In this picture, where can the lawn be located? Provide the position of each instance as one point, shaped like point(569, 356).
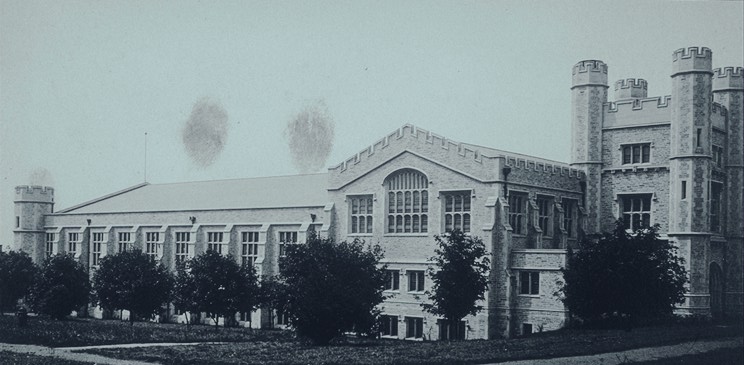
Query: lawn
point(715, 357)
point(84, 332)
point(546, 345)
point(14, 358)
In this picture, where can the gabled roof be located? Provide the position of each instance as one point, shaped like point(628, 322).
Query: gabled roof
point(264, 192)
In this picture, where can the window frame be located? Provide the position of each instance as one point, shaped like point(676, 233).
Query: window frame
point(631, 155)
point(216, 239)
point(716, 207)
point(50, 247)
point(72, 244)
point(283, 241)
point(96, 243)
point(152, 248)
point(623, 198)
point(417, 284)
point(249, 247)
point(545, 204)
point(518, 218)
point(532, 280)
point(181, 242)
point(356, 217)
point(407, 203)
point(415, 331)
point(120, 243)
point(392, 280)
point(452, 214)
point(392, 326)
point(570, 208)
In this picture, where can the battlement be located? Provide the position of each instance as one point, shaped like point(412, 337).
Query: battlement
point(631, 89)
point(728, 78)
point(692, 59)
point(455, 148)
point(639, 104)
point(590, 72)
point(34, 193)
point(543, 167)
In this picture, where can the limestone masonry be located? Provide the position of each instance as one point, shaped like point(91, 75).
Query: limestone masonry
point(675, 160)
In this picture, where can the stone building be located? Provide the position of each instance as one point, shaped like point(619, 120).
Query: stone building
point(673, 160)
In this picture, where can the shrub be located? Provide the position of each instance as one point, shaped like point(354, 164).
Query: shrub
point(17, 273)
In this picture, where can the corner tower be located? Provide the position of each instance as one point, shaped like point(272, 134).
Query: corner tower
point(690, 169)
point(32, 203)
point(728, 91)
point(588, 96)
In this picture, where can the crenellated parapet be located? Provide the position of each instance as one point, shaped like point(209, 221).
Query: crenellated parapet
point(543, 167)
point(590, 73)
point(631, 89)
point(692, 59)
point(639, 104)
point(453, 148)
point(728, 78)
point(34, 193)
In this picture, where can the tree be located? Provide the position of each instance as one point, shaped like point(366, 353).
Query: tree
point(460, 279)
point(61, 286)
point(17, 273)
point(216, 284)
point(273, 296)
point(132, 280)
point(331, 287)
point(624, 275)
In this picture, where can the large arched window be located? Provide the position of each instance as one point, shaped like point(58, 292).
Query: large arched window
point(408, 202)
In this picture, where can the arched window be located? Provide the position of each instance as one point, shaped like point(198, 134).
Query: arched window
point(408, 202)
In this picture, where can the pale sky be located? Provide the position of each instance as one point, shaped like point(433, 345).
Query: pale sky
point(82, 81)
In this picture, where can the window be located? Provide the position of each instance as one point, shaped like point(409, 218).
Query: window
point(517, 212)
point(281, 318)
point(408, 202)
point(361, 214)
point(245, 316)
point(18, 222)
point(457, 211)
point(72, 242)
point(95, 251)
point(636, 153)
point(569, 211)
point(526, 329)
point(718, 156)
point(214, 241)
point(416, 281)
point(529, 283)
point(389, 325)
point(182, 246)
point(49, 250)
point(715, 206)
point(637, 211)
point(392, 279)
point(286, 238)
point(151, 243)
point(446, 332)
point(545, 215)
point(414, 327)
point(249, 252)
point(683, 190)
point(123, 240)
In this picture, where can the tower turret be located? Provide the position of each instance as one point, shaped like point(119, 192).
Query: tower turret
point(631, 89)
point(690, 169)
point(588, 95)
point(32, 203)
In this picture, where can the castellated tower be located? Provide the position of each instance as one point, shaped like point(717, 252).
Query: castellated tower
point(32, 203)
point(588, 95)
point(690, 169)
point(728, 91)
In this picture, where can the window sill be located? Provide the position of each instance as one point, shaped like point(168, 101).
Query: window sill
point(529, 295)
point(416, 292)
point(393, 291)
point(389, 336)
point(360, 234)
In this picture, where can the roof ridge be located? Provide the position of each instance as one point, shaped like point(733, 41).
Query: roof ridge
point(239, 178)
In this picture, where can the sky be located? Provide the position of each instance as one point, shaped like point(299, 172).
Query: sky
point(81, 82)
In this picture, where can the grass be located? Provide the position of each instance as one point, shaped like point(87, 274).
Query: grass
point(86, 332)
point(7, 357)
point(715, 357)
point(569, 342)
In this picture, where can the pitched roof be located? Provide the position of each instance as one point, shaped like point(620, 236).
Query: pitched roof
point(264, 192)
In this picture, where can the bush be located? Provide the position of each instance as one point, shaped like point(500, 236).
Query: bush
point(331, 287)
point(623, 276)
point(17, 273)
point(132, 280)
point(61, 286)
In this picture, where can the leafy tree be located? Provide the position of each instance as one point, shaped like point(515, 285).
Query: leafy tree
point(621, 274)
point(217, 285)
point(17, 273)
point(132, 280)
point(273, 296)
point(332, 287)
point(460, 279)
point(61, 286)
point(183, 292)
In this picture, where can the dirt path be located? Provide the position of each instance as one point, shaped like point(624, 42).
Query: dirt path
point(68, 355)
point(637, 355)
